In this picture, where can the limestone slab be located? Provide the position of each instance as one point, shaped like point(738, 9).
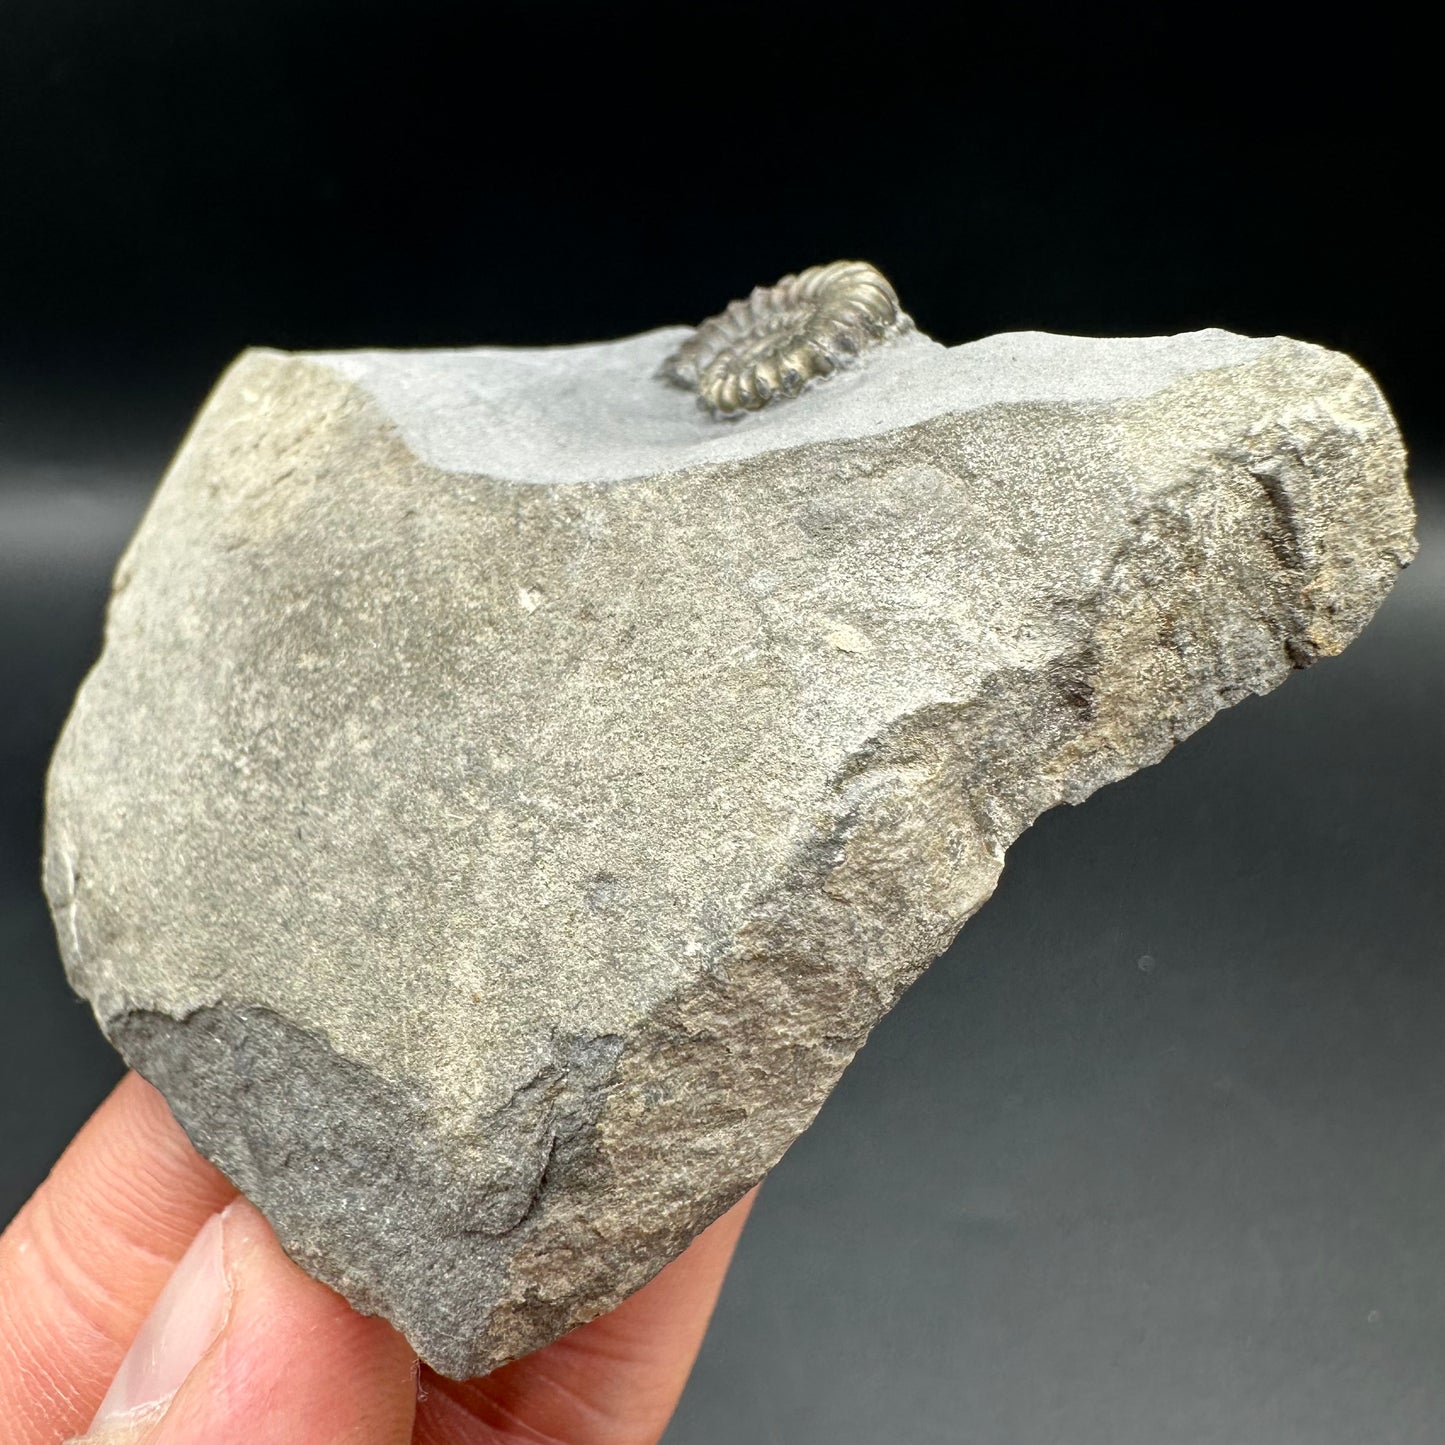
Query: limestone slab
point(508, 795)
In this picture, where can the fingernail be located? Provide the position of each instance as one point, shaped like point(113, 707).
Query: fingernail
point(181, 1327)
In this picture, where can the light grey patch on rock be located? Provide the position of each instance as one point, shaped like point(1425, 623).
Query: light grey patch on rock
point(593, 413)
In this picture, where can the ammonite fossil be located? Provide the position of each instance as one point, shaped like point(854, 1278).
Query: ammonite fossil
point(783, 337)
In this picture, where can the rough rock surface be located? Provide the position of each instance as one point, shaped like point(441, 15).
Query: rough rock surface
point(508, 797)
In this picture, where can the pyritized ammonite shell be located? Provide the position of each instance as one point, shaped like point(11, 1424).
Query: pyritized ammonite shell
point(785, 336)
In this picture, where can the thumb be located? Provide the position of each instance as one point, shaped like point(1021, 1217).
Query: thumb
point(243, 1348)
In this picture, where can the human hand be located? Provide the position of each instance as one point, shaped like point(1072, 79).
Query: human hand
point(142, 1299)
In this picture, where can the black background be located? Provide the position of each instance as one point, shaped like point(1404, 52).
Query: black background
point(182, 180)
point(1154, 1154)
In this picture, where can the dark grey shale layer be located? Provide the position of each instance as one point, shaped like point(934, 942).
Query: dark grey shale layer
point(508, 797)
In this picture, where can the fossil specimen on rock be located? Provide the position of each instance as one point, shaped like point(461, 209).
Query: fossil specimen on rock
point(783, 337)
point(508, 797)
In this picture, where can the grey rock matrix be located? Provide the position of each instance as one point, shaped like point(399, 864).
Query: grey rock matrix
point(509, 795)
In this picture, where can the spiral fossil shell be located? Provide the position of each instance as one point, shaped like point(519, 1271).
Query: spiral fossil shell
point(784, 337)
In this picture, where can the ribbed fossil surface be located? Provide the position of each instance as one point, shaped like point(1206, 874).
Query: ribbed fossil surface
point(784, 337)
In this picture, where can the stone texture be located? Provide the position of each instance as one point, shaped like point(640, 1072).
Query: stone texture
point(508, 796)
